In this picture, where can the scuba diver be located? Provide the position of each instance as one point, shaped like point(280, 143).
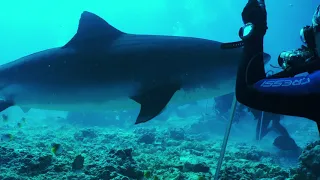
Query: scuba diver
point(223, 105)
point(283, 92)
point(264, 120)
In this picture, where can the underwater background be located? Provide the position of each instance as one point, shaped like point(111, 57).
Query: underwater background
point(183, 142)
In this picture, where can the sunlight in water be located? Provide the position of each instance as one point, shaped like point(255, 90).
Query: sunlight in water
point(184, 140)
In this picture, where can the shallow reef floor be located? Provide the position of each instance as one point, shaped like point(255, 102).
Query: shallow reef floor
point(141, 153)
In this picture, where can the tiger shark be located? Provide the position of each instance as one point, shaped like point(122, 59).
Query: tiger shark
point(102, 68)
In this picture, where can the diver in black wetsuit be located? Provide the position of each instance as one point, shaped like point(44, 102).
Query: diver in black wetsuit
point(223, 105)
point(281, 93)
point(264, 129)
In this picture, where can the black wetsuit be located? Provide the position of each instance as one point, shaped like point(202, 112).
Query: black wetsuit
point(294, 96)
point(263, 129)
point(223, 104)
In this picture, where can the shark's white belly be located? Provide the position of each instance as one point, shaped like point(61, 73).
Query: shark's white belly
point(116, 98)
point(75, 99)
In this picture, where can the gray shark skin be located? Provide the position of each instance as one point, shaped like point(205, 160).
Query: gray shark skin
point(102, 68)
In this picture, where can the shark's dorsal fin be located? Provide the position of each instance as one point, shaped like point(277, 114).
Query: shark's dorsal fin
point(93, 31)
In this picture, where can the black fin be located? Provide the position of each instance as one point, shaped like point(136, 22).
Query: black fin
point(285, 143)
point(266, 58)
point(154, 102)
point(93, 30)
point(25, 109)
point(5, 105)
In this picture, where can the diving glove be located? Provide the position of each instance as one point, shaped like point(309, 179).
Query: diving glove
point(255, 12)
point(316, 17)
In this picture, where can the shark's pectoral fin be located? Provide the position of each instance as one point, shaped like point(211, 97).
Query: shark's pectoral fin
point(25, 109)
point(93, 32)
point(154, 102)
point(5, 104)
point(266, 58)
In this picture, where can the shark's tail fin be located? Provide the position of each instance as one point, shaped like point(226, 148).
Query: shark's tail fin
point(25, 109)
point(4, 104)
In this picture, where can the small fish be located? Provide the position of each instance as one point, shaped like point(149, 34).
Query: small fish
point(19, 125)
point(23, 119)
point(285, 143)
point(56, 148)
point(5, 118)
point(7, 137)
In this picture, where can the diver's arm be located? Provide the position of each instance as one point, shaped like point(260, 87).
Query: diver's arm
point(316, 25)
point(296, 96)
point(280, 96)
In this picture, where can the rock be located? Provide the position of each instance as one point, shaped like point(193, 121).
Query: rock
point(122, 153)
point(36, 166)
point(78, 163)
point(177, 134)
point(310, 160)
point(85, 134)
point(147, 138)
point(199, 167)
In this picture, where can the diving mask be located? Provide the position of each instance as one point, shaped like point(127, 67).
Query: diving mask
point(246, 31)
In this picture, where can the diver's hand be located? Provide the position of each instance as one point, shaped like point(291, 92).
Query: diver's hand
point(255, 12)
point(316, 17)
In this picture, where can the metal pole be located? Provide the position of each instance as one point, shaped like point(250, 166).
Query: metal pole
point(261, 121)
point(226, 137)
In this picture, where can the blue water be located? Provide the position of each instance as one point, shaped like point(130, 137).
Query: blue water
point(30, 26)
